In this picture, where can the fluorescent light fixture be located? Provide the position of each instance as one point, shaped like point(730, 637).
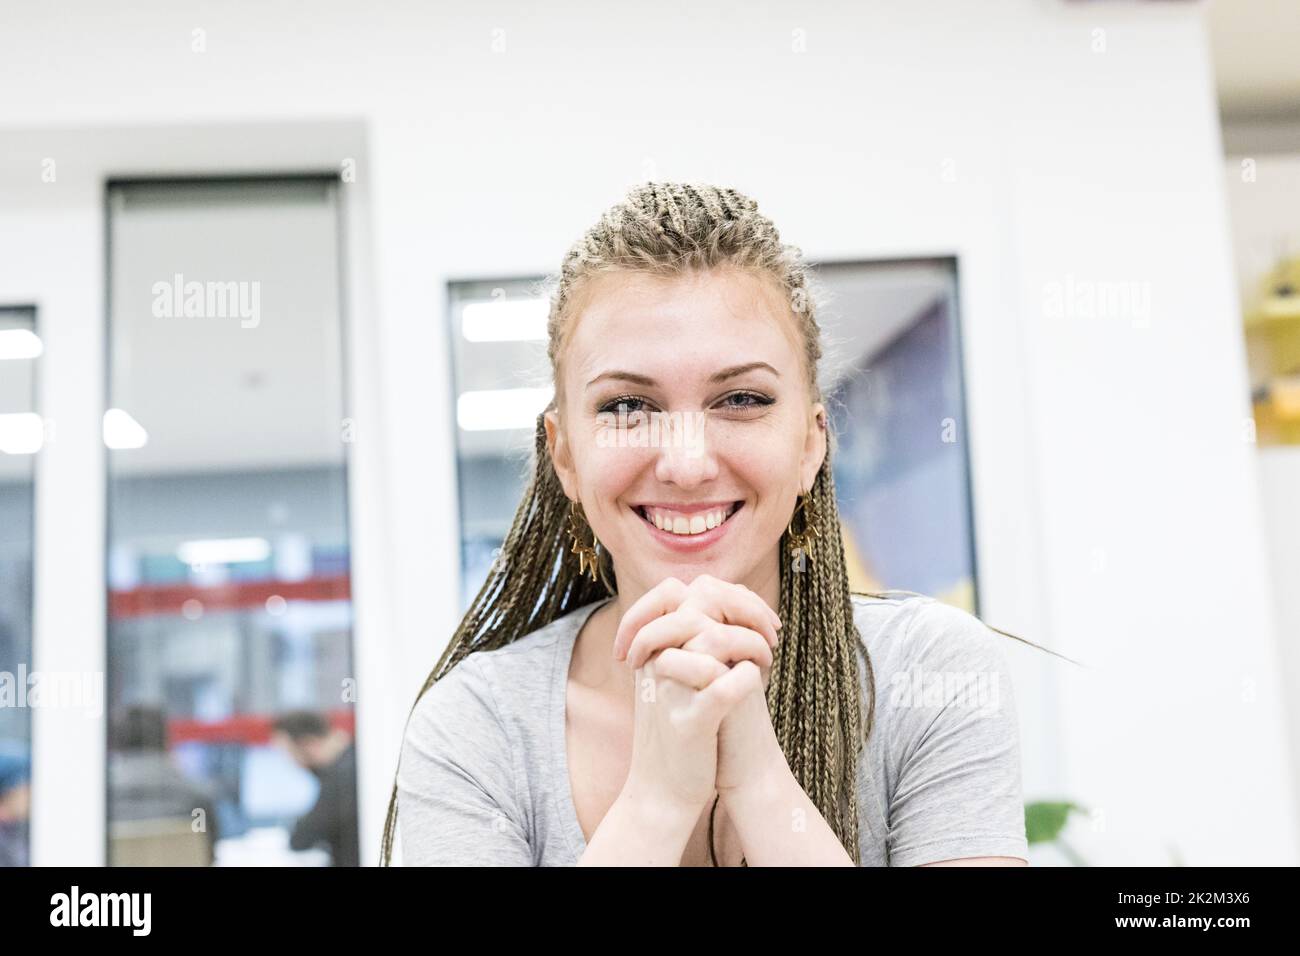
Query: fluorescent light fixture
point(505, 320)
point(494, 409)
point(123, 431)
point(21, 433)
point(224, 550)
point(19, 344)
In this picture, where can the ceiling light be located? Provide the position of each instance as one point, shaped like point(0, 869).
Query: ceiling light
point(224, 551)
point(21, 433)
point(505, 320)
point(493, 409)
point(123, 431)
point(19, 344)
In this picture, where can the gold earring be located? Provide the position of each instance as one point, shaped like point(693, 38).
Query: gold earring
point(802, 540)
point(586, 553)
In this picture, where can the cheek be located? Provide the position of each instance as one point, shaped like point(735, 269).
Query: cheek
point(764, 468)
point(611, 472)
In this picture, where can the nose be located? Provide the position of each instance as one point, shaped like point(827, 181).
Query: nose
point(686, 458)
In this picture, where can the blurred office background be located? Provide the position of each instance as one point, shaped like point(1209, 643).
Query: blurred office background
point(271, 348)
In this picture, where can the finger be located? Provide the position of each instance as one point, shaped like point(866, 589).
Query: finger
point(732, 604)
point(688, 668)
point(731, 643)
point(672, 630)
point(663, 598)
point(758, 602)
point(715, 701)
point(761, 655)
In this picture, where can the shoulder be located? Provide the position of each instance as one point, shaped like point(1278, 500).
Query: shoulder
point(947, 741)
point(449, 715)
point(910, 629)
point(933, 665)
point(492, 684)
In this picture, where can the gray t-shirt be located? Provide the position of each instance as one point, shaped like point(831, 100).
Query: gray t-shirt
point(483, 776)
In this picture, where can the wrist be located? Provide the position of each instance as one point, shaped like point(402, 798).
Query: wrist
point(639, 831)
point(761, 792)
point(657, 816)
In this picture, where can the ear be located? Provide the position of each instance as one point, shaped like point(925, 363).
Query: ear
point(561, 455)
point(814, 451)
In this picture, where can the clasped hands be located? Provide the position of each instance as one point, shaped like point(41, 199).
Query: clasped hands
point(707, 646)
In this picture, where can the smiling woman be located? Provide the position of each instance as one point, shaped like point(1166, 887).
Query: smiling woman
point(667, 665)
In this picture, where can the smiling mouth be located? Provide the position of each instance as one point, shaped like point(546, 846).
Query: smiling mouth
point(688, 527)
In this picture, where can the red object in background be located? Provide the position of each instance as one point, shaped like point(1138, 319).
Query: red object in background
point(243, 729)
point(251, 729)
point(167, 599)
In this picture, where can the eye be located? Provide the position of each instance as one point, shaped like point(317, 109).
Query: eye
point(628, 404)
point(754, 400)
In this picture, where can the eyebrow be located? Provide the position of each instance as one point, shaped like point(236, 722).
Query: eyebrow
point(648, 382)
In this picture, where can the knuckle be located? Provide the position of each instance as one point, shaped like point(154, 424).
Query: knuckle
point(703, 582)
point(753, 675)
point(706, 642)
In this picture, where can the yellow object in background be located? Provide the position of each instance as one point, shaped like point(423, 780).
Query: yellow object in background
point(1285, 393)
point(1272, 322)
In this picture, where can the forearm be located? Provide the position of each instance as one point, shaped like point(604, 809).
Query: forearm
point(639, 833)
point(778, 825)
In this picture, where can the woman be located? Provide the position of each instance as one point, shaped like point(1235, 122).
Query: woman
point(623, 689)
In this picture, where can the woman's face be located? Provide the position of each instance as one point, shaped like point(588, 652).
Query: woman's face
point(716, 416)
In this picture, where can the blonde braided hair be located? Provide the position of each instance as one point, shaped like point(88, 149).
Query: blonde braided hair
point(813, 692)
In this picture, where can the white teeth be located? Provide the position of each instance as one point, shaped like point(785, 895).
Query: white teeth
point(695, 524)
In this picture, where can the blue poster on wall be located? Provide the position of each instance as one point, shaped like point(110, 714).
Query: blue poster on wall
point(901, 465)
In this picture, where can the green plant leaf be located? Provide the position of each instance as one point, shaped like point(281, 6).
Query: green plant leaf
point(1045, 819)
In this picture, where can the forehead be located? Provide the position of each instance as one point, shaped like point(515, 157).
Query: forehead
point(700, 319)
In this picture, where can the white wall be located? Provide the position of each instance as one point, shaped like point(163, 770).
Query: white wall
point(1116, 505)
point(1280, 479)
point(1263, 187)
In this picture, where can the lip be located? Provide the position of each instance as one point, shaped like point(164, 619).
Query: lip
point(689, 543)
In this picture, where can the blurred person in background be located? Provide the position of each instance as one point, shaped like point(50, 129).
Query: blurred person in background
point(144, 783)
point(329, 754)
point(15, 808)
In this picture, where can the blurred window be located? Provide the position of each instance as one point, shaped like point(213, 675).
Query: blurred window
point(228, 554)
point(21, 436)
point(893, 377)
point(500, 383)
